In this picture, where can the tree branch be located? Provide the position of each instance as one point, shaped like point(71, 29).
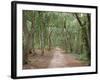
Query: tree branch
point(78, 19)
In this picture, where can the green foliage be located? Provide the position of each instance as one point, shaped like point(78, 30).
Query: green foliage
point(69, 31)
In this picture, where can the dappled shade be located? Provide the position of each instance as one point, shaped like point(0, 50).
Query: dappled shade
point(55, 39)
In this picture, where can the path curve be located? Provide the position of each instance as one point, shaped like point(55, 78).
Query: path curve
point(61, 59)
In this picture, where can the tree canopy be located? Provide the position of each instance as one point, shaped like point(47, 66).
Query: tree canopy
point(48, 29)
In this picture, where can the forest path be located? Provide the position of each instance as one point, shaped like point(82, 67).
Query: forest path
point(61, 59)
point(56, 58)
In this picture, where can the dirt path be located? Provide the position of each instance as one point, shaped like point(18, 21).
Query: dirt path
point(56, 58)
point(61, 59)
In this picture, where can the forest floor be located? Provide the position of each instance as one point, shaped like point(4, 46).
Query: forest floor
point(56, 58)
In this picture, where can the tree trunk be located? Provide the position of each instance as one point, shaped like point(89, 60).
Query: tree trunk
point(49, 39)
point(84, 34)
point(25, 36)
point(32, 35)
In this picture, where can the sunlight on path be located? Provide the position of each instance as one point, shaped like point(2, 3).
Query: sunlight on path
point(60, 59)
point(56, 59)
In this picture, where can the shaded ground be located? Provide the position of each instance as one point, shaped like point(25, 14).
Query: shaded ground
point(53, 59)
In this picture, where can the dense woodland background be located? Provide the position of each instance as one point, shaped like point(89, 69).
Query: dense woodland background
point(44, 30)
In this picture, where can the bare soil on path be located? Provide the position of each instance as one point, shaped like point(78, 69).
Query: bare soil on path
point(57, 58)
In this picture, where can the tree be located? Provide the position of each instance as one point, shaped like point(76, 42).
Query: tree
point(28, 35)
point(84, 32)
point(48, 29)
